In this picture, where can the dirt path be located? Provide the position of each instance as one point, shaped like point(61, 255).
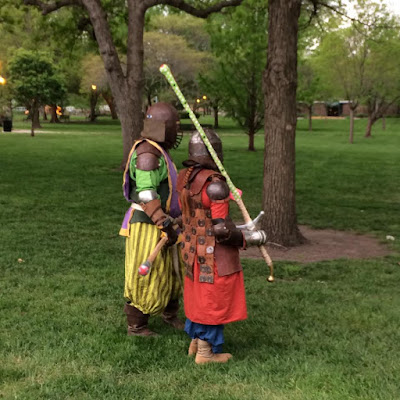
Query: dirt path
point(325, 244)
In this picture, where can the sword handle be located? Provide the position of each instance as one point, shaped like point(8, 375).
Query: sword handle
point(263, 249)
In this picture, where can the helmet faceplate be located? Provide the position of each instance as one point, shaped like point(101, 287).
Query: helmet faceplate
point(161, 124)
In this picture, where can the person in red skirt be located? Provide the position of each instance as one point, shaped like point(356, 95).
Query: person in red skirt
point(214, 292)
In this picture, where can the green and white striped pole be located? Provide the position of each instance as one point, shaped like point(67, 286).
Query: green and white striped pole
point(164, 69)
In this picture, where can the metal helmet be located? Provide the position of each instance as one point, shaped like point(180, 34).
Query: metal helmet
point(161, 124)
point(198, 153)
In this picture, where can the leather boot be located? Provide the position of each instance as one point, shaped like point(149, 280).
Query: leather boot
point(137, 322)
point(192, 347)
point(205, 355)
point(170, 315)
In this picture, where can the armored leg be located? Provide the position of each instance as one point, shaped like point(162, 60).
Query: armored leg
point(170, 315)
point(137, 322)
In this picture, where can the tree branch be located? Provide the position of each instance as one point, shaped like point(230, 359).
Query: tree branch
point(337, 11)
point(47, 8)
point(196, 12)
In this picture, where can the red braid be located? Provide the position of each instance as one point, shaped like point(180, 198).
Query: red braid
point(185, 193)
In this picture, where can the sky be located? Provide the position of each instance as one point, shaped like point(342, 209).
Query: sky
point(393, 5)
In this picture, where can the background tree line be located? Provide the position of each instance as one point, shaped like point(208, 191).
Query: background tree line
point(254, 59)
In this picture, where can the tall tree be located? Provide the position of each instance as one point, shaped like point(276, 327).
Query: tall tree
point(127, 88)
point(209, 82)
point(358, 63)
point(193, 30)
point(24, 27)
point(340, 60)
point(35, 82)
point(94, 83)
point(279, 82)
point(174, 50)
point(279, 86)
point(308, 89)
point(240, 58)
point(382, 77)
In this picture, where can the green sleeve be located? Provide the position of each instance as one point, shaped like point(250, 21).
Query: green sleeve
point(148, 180)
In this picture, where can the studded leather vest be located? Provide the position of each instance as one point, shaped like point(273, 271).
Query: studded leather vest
point(198, 235)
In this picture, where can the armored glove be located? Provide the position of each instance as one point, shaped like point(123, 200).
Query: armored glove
point(168, 228)
point(154, 210)
point(255, 238)
point(226, 233)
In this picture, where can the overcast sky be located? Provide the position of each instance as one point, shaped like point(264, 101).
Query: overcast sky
point(393, 5)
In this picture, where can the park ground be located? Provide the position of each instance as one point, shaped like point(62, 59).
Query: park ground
point(325, 329)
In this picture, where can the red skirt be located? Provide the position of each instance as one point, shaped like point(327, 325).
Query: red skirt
point(215, 303)
point(220, 302)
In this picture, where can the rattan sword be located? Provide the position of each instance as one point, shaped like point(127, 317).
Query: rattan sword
point(164, 69)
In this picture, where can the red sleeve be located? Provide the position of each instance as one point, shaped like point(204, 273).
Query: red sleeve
point(218, 210)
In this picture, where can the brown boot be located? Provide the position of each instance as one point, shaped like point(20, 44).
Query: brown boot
point(192, 347)
point(137, 322)
point(170, 315)
point(205, 355)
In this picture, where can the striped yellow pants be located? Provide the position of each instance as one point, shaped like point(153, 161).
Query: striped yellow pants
point(151, 293)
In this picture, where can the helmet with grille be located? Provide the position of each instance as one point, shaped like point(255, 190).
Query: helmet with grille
point(161, 124)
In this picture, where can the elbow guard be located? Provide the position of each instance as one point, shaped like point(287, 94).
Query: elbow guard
point(154, 210)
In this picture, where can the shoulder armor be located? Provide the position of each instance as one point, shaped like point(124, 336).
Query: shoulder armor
point(147, 157)
point(218, 189)
point(147, 162)
point(146, 147)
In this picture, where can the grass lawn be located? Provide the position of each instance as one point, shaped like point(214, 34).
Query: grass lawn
point(328, 330)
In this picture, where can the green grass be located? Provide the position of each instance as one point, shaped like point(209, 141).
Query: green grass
point(326, 330)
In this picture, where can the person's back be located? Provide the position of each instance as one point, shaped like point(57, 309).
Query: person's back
point(150, 185)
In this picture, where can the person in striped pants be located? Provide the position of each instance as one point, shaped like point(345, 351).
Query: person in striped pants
point(150, 185)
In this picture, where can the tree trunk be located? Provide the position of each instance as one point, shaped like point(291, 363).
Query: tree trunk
point(135, 76)
point(111, 103)
point(251, 141)
point(44, 114)
point(371, 120)
point(35, 116)
point(93, 102)
point(309, 107)
point(128, 114)
point(279, 86)
point(351, 137)
point(34, 111)
point(216, 122)
point(54, 117)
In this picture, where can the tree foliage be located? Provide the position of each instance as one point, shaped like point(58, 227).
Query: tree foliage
point(35, 81)
point(185, 61)
point(238, 42)
point(359, 63)
point(127, 85)
point(308, 86)
point(183, 25)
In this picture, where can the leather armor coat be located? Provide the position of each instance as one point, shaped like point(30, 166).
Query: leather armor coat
point(198, 234)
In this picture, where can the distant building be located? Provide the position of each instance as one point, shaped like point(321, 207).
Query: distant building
point(342, 109)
